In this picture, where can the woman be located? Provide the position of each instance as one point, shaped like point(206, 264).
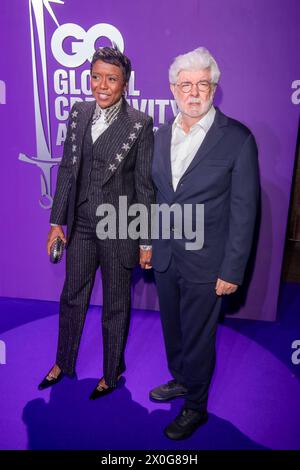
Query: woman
point(107, 154)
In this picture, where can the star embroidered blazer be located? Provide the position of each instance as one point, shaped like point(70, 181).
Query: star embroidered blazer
point(127, 171)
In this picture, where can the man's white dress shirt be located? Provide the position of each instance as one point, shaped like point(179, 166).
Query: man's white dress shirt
point(184, 146)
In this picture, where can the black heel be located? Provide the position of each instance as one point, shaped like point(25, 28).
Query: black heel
point(98, 393)
point(46, 383)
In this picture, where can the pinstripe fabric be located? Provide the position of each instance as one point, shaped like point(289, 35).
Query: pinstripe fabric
point(125, 149)
point(81, 267)
point(85, 254)
point(116, 280)
point(131, 176)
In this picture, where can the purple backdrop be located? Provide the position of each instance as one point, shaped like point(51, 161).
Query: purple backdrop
point(255, 44)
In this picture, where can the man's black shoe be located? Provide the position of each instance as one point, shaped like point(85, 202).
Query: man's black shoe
point(185, 424)
point(168, 391)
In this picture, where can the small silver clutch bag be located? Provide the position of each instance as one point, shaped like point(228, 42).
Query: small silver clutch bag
point(57, 250)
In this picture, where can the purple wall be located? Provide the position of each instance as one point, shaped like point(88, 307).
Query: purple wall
point(255, 44)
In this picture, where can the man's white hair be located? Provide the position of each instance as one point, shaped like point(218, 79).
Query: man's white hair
point(199, 59)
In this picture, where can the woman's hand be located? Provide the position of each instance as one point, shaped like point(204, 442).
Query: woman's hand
point(55, 232)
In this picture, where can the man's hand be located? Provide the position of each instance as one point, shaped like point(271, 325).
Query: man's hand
point(225, 288)
point(145, 259)
point(55, 232)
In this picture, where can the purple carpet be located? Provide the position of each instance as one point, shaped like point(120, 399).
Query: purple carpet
point(254, 400)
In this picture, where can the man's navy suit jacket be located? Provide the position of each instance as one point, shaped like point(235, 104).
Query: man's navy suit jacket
point(224, 177)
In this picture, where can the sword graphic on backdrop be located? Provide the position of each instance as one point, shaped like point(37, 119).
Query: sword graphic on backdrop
point(43, 159)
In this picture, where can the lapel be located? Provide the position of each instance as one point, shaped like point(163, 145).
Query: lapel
point(126, 131)
point(166, 152)
point(212, 138)
point(79, 123)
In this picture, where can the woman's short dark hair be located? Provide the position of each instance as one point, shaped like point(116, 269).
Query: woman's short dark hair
point(113, 55)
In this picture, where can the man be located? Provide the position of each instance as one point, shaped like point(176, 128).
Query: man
point(107, 154)
point(203, 157)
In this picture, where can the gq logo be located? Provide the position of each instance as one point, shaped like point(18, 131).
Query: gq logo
point(83, 43)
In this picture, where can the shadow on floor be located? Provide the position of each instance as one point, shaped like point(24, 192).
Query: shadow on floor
point(71, 421)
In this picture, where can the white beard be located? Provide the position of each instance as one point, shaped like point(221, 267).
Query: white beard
point(196, 111)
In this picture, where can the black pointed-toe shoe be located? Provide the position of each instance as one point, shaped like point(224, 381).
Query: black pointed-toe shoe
point(46, 383)
point(186, 423)
point(168, 391)
point(99, 392)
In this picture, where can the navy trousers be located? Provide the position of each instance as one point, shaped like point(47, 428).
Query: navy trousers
point(189, 314)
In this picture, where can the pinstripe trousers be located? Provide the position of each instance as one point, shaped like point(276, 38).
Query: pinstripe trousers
point(85, 254)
